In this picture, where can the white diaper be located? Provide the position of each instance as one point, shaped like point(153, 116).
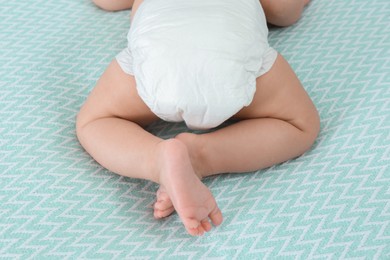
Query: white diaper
point(197, 60)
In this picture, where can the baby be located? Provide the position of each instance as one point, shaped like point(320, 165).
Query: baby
point(276, 119)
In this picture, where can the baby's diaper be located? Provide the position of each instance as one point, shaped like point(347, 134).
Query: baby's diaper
point(197, 60)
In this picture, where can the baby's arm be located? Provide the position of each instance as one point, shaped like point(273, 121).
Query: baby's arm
point(277, 12)
point(135, 7)
point(283, 12)
point(116, 5)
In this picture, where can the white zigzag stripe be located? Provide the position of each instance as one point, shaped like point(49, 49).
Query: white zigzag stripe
point(56, 202)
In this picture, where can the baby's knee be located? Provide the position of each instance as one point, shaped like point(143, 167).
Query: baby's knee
point(83, 119)
point(310, 128)
point(80, 127)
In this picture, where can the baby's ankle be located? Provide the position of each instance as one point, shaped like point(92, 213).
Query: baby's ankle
point(196, 151)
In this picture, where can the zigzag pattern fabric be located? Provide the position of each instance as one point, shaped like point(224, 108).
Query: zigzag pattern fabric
point(56, 202)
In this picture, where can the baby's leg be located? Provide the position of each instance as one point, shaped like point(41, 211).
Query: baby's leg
point(283, 12)
point(109, 126)
point(281, 123)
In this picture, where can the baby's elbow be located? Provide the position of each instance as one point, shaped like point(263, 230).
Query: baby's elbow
point(285, 13)
point(111, 6)
point(106, 5)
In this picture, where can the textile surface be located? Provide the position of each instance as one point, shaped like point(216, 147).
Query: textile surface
point(57, 202)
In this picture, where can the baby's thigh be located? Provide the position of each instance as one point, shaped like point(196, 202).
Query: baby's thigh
point(115, 95)
point(280, 94)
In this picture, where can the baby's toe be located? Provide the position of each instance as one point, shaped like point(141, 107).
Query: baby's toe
point(162, 213)
point(193, 227)
point(206, 225)
point(216, 216)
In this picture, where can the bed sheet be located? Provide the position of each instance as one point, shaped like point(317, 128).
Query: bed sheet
point(56, 202)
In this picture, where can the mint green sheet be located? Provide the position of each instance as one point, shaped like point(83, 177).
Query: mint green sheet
point(57, 203)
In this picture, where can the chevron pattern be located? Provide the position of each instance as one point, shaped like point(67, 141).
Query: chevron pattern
point(56, 202)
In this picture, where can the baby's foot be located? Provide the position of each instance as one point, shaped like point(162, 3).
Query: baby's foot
point(192, 200)
point(163, 206)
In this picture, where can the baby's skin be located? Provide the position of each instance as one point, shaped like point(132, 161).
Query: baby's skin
point(181, 189)
point(281, 123)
